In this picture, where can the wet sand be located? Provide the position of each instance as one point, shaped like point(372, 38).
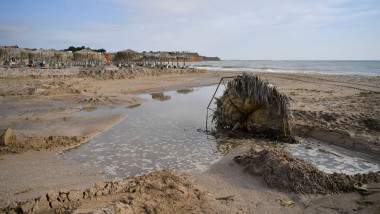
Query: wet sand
point(340, 110)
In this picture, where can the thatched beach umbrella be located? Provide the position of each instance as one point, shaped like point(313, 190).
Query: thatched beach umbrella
point(184, 57)
point(251, 104)
point(55, 55)
point(41, 54)
point(67, 55)
point(126, 55)
point(86, 55)
point(4, 53)
point(164, 57)
point(15, 53)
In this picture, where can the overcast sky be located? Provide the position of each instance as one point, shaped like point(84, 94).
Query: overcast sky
point(230, 29)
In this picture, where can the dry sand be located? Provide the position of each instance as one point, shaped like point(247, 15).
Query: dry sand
point(38, 106)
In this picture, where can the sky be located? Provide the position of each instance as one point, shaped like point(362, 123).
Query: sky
point(229, 29)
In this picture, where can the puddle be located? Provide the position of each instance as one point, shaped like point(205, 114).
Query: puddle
point(330, 160)
point(168, 132)
point(159, 134)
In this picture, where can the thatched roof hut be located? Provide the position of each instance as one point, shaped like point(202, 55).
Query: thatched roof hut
point(86, 55)
point(126, 55)
point(253, 105)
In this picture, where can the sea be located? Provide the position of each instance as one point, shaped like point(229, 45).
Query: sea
point(366, 68)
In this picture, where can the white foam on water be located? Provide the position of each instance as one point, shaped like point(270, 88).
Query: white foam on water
point(331, 161)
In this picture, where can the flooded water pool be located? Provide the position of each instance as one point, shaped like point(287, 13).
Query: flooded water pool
point(168, 132)
point(332, 160)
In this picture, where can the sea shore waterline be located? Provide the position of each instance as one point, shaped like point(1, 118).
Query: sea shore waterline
point(345, 67)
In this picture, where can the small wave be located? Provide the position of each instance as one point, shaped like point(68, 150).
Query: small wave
point(231, 66)
point(203, 66)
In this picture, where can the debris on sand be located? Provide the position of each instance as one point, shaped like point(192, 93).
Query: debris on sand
point(280, 169)
point(7, 137)
point(157, 192)
point(251, 104)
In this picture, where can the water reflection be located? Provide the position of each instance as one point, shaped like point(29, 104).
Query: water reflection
point(88, 109)
point(185, 91)
point(134, 106)
point(160, 96)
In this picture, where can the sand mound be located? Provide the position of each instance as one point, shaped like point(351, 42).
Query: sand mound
point(157, 192)
point(42, 143)
point(112, 74)
point(280, 169)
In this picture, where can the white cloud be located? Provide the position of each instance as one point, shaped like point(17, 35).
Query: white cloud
point(232, 29)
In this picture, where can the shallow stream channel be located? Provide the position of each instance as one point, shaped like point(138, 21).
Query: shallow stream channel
point(168, 132)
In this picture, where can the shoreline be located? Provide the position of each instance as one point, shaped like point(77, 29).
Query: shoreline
point(342, 92)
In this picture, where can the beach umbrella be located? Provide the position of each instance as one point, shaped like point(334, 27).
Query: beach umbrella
point(184, 57)
point(86, 55)
point(24, 53)
point(126, 55)
point(15, 53)
point(67, 55)
point(164, 56)
point(253, 105)
point(40, 54)
point(4, 53)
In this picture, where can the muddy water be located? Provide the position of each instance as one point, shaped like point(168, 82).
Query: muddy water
point(167, 132)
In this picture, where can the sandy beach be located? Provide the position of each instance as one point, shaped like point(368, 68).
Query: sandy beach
point(38, 105)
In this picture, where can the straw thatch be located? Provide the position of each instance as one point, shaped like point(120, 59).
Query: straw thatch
point(251, 104)
point(164, 56)
point(67, 55)
point(4, 52)
point(126, 55)
point(86, 55)
point(41, 54)
point(15, 53)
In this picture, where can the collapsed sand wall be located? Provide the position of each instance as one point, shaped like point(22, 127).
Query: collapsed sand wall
point(280, 169)
point(111, 74)
point(157, 192)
